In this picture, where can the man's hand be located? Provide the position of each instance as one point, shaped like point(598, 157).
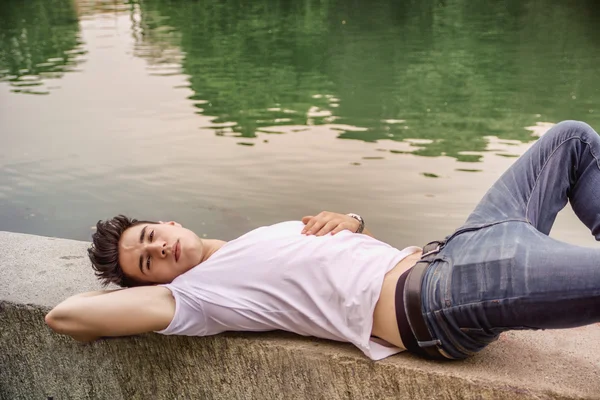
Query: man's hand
point(328, 222)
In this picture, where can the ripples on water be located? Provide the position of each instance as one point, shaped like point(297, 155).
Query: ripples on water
point(226, 116)
point(38, 45)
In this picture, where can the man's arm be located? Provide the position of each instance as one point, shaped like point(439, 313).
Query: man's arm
point(123, 312)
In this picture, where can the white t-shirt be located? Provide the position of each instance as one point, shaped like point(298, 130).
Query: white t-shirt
point(276, 278)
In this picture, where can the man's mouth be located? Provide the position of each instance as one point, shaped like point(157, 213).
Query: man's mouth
point(177, 250)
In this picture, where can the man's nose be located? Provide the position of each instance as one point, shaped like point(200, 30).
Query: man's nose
point(158, 249)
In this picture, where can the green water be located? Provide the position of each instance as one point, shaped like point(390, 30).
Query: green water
point(246, 113)
point(452, 73)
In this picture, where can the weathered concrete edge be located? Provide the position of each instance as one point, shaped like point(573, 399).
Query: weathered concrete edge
point(274, 365)
point(38, 272)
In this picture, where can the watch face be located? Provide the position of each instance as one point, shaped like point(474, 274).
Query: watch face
point(360, 220)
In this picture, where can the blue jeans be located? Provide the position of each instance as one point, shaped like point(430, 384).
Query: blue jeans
point(500, 271)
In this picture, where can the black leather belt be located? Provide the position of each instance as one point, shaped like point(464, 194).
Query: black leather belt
point(415, 334)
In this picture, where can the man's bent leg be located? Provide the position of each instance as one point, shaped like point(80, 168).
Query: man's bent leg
point(504, 277)
point(562, 165)
point(501, 271)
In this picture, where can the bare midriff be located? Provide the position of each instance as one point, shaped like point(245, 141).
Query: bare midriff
point(385, 325)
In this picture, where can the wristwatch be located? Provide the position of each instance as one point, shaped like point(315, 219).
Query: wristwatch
point(360, 219)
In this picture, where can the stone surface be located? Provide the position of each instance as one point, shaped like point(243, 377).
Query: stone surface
point(35, 363)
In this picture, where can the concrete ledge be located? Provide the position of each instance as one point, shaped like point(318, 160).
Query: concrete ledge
point(35, 363)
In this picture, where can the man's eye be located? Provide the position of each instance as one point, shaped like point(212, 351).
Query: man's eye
point(151, 236)
point(148, 263)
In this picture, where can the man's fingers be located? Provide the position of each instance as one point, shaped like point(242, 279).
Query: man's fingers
point(327, 228)
point(310, 225)
point(338, 229)
point(309, 221)
point(306, 219)
point(315, 227)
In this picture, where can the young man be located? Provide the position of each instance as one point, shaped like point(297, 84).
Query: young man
point(499, 271)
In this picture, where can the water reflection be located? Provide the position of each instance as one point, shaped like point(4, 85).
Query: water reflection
point(39, 41)
point(226, 116)
point(449, 72)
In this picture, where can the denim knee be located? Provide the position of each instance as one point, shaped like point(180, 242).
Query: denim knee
point(569, 128)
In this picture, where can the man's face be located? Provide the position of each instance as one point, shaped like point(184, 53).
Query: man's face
point(158, 253)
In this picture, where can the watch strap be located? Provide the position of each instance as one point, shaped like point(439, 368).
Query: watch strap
point(360, 219)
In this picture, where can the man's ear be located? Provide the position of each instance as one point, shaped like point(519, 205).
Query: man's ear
point(173, 223)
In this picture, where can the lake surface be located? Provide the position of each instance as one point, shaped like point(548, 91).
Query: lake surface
point(228, 115)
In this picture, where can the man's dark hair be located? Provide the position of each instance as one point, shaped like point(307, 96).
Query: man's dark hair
point(104, 251)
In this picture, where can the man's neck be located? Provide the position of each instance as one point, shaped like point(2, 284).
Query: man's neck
point(210, 247)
